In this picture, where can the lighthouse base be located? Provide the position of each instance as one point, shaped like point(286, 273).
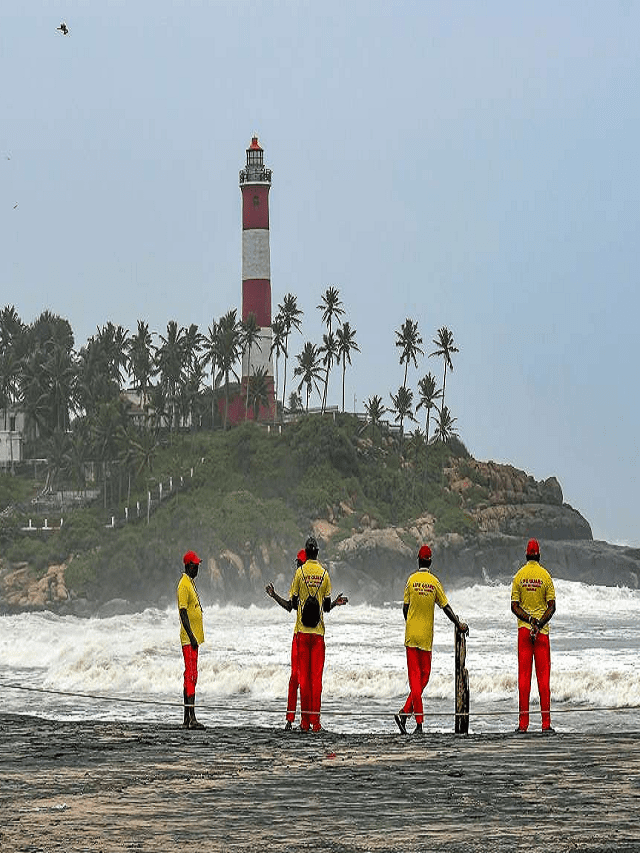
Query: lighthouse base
point(239, 411)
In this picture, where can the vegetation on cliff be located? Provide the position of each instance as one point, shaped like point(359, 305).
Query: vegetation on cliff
point(246, 491)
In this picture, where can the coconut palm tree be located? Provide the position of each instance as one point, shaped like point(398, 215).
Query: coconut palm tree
point(258, 388)
point(444, 347)
point(445, 430)
point(56, 449)
point(113, 342)
point(77, 454)
point(428, 394)
point(170, 361)
point(309, 369)
point(193, 342)
point(328, 352)
point(279, 346)
point(211, 346)
point(60, 377)
point(408, 340)
point(250, 338)
point(141, 364)
point(375, 409)
point(33, 395)
point(295, 402)
point(291, 317)
point(346, 338)
point(403, 407)
point(10, 368)
point(228, 349)
point(11, 327)
point(331, 306)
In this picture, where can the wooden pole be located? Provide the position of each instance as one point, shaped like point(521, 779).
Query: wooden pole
point(462, 685)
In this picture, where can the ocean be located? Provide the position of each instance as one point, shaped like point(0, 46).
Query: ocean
point(130, 667)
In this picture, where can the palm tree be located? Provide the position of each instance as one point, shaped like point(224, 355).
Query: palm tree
point(193, 342)
point(228, 348)
point(56, 448)
point(170, 361)
point(279, 346)
point(445, 430)
point(60, 375)
point(142, 448)
point(444, 348)
point(309, 369)
point(10, 368)
point(428, 395)
point(328, 351)
point(346, 337)
point(291, 317)
point(141, 360)
point(375, 409)
point(403, 407)
point(211, 347)
point(250, 337)
point(331, 306)
point(295, 402)
point(77, 454)
point(11, 327)
point(33, 393)
point(114, 343)
point(258, 389)
point(409, 340)
point(106, 426)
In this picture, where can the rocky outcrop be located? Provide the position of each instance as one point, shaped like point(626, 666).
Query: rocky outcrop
point(20, 590)
point(503, 499)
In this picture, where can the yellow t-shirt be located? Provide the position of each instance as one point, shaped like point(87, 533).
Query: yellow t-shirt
point(188, 598)
point(318, 585)
point(422, 592)
point(533, 589)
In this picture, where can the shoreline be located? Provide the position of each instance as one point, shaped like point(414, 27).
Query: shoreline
point(112, 786)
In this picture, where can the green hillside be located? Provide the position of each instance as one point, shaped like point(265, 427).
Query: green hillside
point(246, 491)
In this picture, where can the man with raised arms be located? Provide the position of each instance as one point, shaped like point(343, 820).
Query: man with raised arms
point(287, 604)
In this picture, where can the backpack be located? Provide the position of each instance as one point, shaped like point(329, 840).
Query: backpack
point(310, 615)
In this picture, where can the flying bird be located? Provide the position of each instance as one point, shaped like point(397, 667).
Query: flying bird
point(64, 29)
point(15, 205)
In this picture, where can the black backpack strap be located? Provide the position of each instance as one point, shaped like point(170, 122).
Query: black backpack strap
point(324, 571)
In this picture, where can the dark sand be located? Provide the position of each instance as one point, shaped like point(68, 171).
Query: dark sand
point(128, 786)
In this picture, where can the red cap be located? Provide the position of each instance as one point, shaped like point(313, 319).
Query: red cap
point(302, 556)
point(191, 557)
point(533, 549)
point(424, 553)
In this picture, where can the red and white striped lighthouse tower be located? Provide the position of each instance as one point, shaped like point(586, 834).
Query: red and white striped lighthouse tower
point(255, 183)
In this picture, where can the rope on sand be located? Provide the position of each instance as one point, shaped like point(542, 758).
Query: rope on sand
point(341, 713)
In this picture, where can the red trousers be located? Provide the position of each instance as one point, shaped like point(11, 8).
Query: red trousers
point(419, 669)
point(310, 669)
point(528, 652)
point(292, 696)
point(190, 669)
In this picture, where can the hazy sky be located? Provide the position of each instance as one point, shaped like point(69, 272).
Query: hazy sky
point(467, 164)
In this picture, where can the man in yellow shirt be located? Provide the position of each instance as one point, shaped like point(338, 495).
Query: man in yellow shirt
point(191, 635)
point(287, 604)
point(311, 580)
point(422, 592)
point(533, 601)
point(292, 694)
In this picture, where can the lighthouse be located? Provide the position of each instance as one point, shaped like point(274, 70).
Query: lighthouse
point(255, 183)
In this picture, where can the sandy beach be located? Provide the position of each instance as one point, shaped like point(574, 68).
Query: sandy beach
point(105, 786)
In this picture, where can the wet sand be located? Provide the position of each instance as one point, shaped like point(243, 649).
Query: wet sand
point(104, 786)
